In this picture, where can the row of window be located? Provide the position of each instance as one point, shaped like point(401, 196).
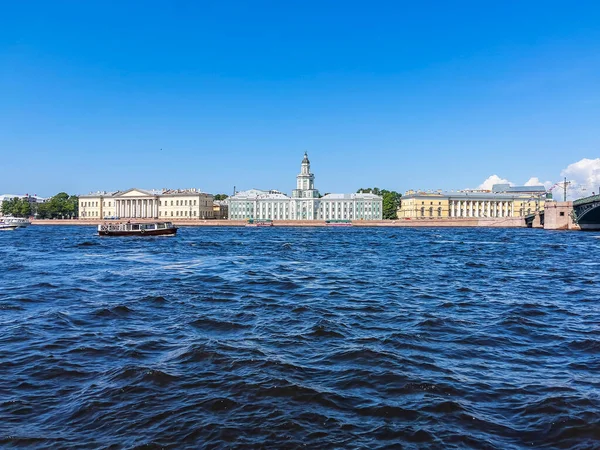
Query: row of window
point(160, 202)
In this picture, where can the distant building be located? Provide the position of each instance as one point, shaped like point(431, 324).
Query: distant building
point(166, 204)
point(31, 198)
point(305, 203)
point(501, 201)
point(220, 209)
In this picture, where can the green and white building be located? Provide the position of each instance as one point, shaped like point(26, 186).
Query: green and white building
point(304, 204)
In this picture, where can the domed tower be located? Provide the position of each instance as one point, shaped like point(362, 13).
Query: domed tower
point(305, 181)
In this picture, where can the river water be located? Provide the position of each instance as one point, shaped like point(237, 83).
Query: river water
point(300, 338)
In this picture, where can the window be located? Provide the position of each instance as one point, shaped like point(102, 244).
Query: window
point(171, 204)
point(422, 212)
point(562, 213)
point(176, 202)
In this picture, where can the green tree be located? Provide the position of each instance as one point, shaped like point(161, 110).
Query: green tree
point(18, 207)
point(61, 206)
point(221, 196)
point(391, 201)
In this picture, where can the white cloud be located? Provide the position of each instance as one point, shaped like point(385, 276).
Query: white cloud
point(584, 176)
point(491, 180)
point(535, 181)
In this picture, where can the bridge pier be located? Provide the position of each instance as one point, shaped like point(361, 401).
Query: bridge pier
point(558, 216)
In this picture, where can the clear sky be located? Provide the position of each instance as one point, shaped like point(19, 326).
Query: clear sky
point(107, 95)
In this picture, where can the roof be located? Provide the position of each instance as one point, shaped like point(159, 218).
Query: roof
point(254, 194)
point(148, 192)
point(354, 196)
point(500, 188)
point(470, 195)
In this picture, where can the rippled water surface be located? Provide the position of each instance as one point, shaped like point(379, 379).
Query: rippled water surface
point(285, 338)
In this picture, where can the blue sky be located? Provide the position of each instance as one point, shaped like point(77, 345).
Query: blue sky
point(211, 94)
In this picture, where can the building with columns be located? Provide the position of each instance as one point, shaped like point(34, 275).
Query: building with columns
point(166, 204)
point(305, 203)
point(501, 201)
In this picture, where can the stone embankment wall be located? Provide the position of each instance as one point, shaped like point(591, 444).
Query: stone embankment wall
point(503, 222)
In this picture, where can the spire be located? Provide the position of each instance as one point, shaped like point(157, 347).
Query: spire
point(305, 160)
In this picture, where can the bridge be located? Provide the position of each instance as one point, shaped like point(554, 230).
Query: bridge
point(586, 212)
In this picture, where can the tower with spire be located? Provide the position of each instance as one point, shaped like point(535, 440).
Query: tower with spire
point(305, 181)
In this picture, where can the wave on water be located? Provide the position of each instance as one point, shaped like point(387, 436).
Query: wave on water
point(296, 338)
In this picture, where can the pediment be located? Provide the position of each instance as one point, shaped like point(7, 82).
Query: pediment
point(135, 193)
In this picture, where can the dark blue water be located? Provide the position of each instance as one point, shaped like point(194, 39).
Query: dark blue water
point(289, 338)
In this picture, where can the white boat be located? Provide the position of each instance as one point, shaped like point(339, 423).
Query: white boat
point(19, 222)
point(7, 226)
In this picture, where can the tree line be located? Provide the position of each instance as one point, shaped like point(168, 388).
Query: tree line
point(391, 201)
point(61, 206)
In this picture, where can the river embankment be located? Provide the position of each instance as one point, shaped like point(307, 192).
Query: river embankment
point(500, 222)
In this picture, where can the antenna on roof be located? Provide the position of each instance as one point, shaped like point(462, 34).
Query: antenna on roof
point(234, 190)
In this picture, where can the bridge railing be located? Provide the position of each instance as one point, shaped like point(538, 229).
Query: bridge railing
point(584, 200)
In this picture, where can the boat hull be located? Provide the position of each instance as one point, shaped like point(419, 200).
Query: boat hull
point(160, 232)
point(8, 227)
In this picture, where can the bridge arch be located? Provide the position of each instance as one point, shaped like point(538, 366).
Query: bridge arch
point(586, 212)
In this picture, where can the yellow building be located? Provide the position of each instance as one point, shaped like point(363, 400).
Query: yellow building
point(167, 204)
point(221, 209)
point(501, 201)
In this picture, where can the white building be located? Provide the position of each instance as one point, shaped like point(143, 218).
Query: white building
point(29, 198)
point(167, 204)
point(304, 204)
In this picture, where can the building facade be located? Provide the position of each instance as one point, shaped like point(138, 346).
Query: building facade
point(501, 201)
point(167, 204)
point(220, 208)
point(305, 203)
